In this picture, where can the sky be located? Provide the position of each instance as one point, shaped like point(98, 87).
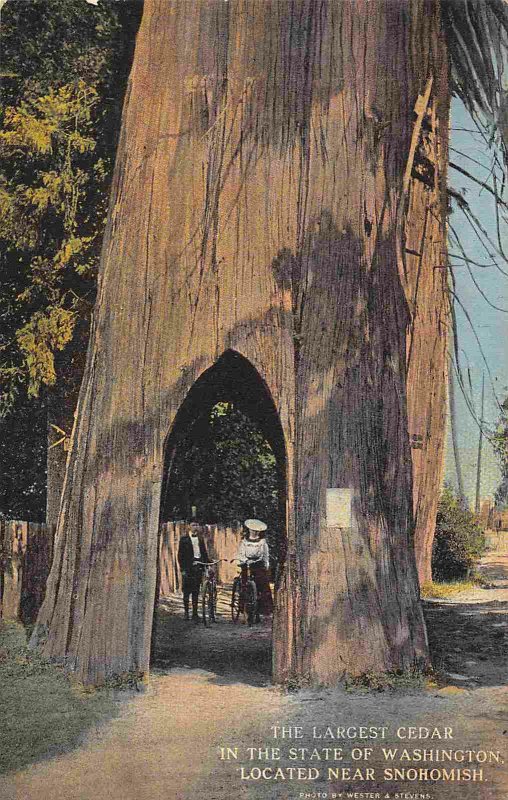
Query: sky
point(491, 325)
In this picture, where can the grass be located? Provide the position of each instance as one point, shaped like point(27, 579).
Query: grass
point(43, 713)
point(402, 680)
point(293, 685)
point(445, 589)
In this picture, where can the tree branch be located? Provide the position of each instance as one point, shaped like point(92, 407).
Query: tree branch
point(479, 182)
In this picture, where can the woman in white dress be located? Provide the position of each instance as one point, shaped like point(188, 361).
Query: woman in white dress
point(253, 551)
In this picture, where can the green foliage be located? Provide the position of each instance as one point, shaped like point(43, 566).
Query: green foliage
point(447, 589)
point(226, 468)
point(459, 542)
point(65, 65)
point(501, 495)
point(39, 338)
point(409, 680)
point(500, 441)
point(49, 158)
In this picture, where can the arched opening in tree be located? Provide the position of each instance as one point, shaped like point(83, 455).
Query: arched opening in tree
point(225, 461)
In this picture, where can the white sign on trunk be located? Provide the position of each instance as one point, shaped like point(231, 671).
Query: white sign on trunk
point(338, 508)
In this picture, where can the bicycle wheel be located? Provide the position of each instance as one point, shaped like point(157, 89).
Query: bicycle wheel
point(207, 604)
point(212, 605)
point(235, 600)
point(251, 602)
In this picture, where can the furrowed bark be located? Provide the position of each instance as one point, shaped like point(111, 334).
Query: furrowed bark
point(254, 214)
point(61, 401)
point(427, 296)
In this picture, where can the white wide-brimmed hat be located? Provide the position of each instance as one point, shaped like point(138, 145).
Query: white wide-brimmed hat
point(255, 525)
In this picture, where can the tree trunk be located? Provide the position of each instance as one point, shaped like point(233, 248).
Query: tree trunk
point(477, 502)
point(60, 409)
point(452, 410)
point(426, 292)
point(61, 405)
point(255, 209)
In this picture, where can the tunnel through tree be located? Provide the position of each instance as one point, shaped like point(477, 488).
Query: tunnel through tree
point(225, 457)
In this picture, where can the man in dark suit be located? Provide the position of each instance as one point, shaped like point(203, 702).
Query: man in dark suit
point(192, 548)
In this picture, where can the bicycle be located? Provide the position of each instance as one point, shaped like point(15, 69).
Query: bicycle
point(209, 591)
point(244, 595)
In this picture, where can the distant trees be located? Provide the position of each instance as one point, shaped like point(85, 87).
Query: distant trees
point(500, 441)
point(65, 66)
point(23, 452)
point(52, 203)
point(49, 155)
point(226, 469)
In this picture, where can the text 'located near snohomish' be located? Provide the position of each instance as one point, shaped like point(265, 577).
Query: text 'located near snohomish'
point(358, 755)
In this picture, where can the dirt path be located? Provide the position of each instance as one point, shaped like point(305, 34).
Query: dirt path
point(210, 689)
point(468, 634)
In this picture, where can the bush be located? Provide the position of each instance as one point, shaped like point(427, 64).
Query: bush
point(459, 542)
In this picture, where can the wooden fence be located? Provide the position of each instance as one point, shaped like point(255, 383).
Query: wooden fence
point(496, 539)
point(26, 551)
point(221, 542)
